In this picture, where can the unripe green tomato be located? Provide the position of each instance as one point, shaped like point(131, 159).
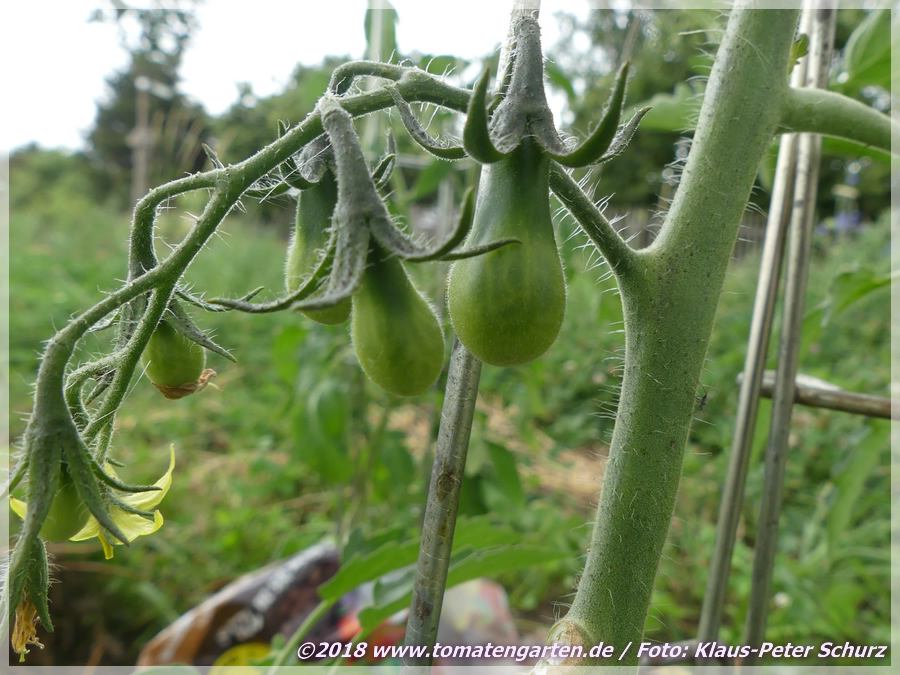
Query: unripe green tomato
point(396, 334)
point(314, 210)
point(507, 306)
point(175, 364)
point(68, 514)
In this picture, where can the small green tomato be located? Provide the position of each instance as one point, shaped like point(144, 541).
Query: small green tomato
point(175, 365)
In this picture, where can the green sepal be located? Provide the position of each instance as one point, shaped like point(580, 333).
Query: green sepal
point(438, 148)
point(381, 174)
point(597, 143)
point(197, 301)
point(183, 324)
point(114, 482)
point(83, 475)
point(15, 477)
point(623, 136)
point(304, 290)
point(396, 242)
point(38, 583)
point(212, 156)
point(351, 246)
point(107, 322)
point(263, 191)
point(125, 506)
point(476, 134)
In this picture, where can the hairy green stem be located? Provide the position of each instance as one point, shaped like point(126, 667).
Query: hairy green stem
point(669, 306)
point(826, 112)
point(443, 500)
point(621, 258)
point(229, 183)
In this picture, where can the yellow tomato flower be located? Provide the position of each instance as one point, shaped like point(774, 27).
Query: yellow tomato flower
point(131, 524)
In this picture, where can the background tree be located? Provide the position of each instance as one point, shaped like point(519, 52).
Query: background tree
point(146, 123)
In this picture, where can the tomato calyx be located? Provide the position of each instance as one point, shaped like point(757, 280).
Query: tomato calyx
point(523, 112)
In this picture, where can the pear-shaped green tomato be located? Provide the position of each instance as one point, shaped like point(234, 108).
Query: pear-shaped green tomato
point(175, 364)
point(507, 306)
point(314, 210)
point(396, 334)
point(68, 514)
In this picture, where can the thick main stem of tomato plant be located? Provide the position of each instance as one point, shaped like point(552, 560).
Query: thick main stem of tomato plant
point(670, 299)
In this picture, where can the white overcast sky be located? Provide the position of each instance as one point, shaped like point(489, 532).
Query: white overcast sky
point(56, 62)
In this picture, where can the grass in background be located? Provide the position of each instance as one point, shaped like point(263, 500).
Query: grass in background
point(291, 445)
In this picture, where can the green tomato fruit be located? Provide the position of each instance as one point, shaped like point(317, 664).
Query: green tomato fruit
point(507, 306)
point(175, 364)
point(396, 334)
point(314, 209)
point(68, 514)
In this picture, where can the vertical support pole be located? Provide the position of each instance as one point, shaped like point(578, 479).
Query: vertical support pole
point(754, 365)
point(809, 150)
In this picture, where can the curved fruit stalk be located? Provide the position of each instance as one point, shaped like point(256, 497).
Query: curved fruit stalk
point(311, 233)
point(396, 334)
point(507, 306)
point(175, 364)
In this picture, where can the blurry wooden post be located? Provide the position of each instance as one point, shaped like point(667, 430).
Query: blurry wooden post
point(797, 163)
point(797, 273)
point(754, 364)
point(140, 141)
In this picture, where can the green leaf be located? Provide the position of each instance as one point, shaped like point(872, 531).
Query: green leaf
point(849, 287)
point(846, 148)
point(867, 56)
point(381, 31)
point(485, 563)
point(851, 480)
point(387, 558)
point(767, 166)
point(506, 473)
point(558, 78)
point(438, 64)
point(675, 112)
point(285, 352)
point(328, 410)
point(430, 178)
point(394, 555)
point(358, 544)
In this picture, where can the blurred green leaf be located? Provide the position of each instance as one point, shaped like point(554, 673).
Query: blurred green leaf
point(850, 482)
point(430, 178)
point(841, 147)
point(439, 64)
point(285, 351)
point(506, 473)
point(852, 286)
point(484, 563)
point(558, 78)
point(867, 56)
point(674, 112)
point(381, 31)
point(395, 554)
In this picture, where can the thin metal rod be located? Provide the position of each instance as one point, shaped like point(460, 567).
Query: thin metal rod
point(443, 500)
point(833, 398)
point(754, 363)
point(797, 272)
